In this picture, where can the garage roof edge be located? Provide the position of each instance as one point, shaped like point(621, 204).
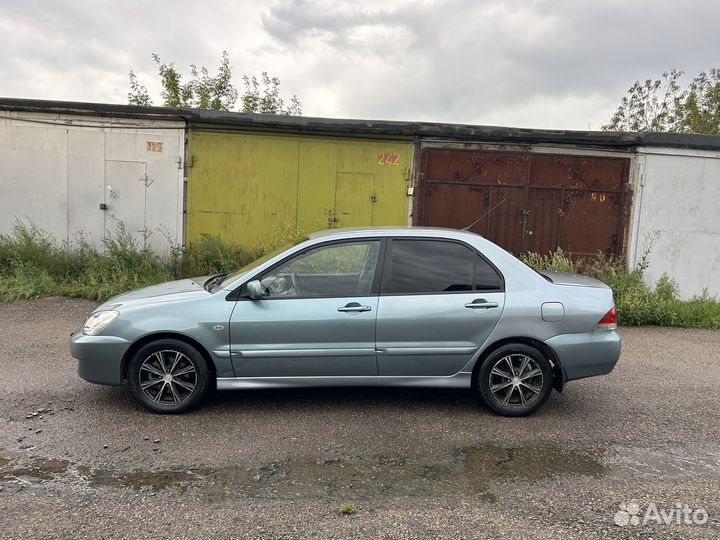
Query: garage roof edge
point(238, 121)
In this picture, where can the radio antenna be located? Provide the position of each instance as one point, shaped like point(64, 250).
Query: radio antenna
point(485, 214)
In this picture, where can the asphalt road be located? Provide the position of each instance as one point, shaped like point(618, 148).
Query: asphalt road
point(83, 461)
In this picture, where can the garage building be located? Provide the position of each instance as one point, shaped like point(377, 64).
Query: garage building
point(72, 167)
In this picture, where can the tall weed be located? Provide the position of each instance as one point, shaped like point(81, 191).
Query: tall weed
point(33, 264)
point(636, 301)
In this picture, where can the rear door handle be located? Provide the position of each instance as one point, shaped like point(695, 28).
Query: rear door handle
point(353, 307)
point(481, 303)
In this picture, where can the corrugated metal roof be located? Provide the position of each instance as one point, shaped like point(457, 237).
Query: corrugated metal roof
point(221, 120)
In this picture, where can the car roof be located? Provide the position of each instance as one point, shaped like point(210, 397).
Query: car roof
point(437, 232)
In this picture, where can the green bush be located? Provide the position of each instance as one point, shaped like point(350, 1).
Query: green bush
point(33, 264)
point(552, 262)
point(211, 255)
point(636, 301)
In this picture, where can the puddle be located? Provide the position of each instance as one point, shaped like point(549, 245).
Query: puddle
point(666, 463)
point(33, 473)
point(37, 470)
point(474, 470)
point(486, 464)
point(141, 480)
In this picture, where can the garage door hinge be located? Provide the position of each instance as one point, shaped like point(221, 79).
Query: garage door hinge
point(373, 198)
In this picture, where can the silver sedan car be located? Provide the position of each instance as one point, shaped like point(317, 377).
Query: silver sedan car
point(404, 307)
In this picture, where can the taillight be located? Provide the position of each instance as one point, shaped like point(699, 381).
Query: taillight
point(609, 321)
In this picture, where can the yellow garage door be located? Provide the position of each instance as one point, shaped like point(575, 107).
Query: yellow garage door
point(247, 188)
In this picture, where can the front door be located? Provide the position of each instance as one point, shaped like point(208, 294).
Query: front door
point(317, 317)
point(439, 302)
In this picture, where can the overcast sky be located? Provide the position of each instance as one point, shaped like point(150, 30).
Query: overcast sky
point(544, 63)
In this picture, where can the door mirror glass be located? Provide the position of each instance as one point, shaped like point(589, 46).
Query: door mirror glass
point(254, 289)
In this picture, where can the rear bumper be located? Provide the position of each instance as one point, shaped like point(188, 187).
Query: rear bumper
point(100, 357)
point(586, 355)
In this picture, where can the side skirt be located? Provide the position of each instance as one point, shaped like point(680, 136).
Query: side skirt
point(459, 380)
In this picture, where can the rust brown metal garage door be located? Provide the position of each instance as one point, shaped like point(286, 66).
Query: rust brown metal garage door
point(527, 201)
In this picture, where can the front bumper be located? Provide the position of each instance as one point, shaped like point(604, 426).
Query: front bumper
point(100, 357)
point(586, 355)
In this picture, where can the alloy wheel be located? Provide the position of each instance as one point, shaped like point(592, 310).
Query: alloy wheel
point(516, 380)
point(167, 377)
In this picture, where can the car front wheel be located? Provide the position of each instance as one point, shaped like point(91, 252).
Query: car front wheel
point(515, 380)
point(168, 376)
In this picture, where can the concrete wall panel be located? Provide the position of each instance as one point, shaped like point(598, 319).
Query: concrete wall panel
point(677, 203)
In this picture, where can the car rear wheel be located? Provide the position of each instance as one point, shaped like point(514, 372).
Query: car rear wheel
point(168, 376)
point(515, 380)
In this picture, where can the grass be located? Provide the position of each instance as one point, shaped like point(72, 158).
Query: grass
point(348, 508)
point(33, 264)
point(637, 302)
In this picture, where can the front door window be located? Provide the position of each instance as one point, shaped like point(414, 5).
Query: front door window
point(334, 270)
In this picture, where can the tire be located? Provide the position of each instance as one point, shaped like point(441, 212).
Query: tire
point(522, 393)
point(186, 386)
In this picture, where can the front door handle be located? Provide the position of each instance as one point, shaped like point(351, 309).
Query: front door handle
point(481, 303)
point(353, 307)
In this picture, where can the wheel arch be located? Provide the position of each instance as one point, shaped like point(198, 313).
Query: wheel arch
point(558, 372)
point(149, 338)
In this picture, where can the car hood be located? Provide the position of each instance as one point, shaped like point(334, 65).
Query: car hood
point(181, 289)
point(576, 280)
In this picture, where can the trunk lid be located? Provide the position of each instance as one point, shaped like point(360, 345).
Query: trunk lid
point(574, 280)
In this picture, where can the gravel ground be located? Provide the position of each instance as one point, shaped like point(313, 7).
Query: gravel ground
point(83, 461)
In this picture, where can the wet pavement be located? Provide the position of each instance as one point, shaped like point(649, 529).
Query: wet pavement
point(79, 460)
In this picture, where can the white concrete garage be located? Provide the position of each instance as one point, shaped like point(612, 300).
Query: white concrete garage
point(79, 174)
point(676, 215)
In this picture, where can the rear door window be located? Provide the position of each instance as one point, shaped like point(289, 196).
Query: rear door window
point(436, 266)
point(429, 266)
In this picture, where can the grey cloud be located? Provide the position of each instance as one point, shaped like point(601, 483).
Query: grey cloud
point(467, 59)
point(292, 20)
point(88, 45)
point(557, 63)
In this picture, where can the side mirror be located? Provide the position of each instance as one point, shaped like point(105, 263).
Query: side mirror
point(254, 289)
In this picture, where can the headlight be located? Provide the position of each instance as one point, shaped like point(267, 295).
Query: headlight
point(97, 321)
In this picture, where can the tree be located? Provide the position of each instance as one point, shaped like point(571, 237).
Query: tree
point(267, 100)
point(663, 105)
point(205, 91)
point(649, 106)
point(138, 94)
point(701, 108)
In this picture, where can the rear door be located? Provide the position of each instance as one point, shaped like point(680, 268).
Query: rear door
point(439, 301)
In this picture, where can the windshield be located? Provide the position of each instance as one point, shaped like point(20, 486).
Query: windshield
point(256, 263)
